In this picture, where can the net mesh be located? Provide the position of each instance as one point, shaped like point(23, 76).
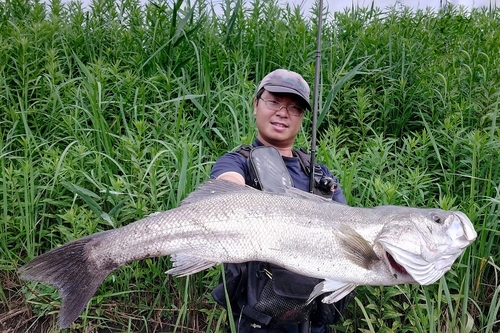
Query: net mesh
point(284, 310)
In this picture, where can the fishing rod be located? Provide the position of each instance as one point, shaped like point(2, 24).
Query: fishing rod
point(316, 96)
point(305, 327)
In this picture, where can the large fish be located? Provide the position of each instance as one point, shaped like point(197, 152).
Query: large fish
point(222, 222)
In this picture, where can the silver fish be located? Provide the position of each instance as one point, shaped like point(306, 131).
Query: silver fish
point(222, 222)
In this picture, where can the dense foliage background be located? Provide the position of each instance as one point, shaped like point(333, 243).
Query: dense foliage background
point(112, 113)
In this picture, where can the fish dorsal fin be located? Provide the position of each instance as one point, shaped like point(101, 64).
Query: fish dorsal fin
point(212, 187)
point(296, 193)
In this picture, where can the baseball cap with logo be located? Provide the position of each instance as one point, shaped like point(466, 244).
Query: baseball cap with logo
point(285, 81)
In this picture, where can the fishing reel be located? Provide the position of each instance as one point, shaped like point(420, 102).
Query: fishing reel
point(324, 183)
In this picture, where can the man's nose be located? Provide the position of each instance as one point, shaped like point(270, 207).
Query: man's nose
point(282, 111)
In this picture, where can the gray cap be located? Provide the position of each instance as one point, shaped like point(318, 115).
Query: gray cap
point(285, 81)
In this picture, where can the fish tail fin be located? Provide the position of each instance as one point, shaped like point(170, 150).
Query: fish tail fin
point(69, 269)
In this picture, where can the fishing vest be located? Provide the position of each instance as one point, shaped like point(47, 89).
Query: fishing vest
point(267, 294)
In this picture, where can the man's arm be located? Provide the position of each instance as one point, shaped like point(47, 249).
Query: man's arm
point(232, 167)
point(233, 177)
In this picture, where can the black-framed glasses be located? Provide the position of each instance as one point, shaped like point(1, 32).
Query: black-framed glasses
point(293, 110)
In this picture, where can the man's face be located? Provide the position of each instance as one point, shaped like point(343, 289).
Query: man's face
point(277, 128)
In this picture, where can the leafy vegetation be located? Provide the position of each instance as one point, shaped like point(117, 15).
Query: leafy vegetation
point(119, 110)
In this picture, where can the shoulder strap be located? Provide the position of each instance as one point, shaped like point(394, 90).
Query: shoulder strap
point(304, 160)
point(323, 185)
point(245, 150)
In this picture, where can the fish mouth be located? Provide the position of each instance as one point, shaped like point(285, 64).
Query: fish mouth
point(461, 231)
point(409, 267)
point(396, 269)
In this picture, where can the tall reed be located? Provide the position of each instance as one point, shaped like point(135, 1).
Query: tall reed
point(116, 111)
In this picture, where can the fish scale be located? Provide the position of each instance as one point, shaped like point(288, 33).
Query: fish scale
point(222, 222)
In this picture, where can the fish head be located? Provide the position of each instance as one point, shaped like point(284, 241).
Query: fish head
point(424, 243)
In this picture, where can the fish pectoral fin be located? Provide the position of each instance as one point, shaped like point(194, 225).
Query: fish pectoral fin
point(318, 290)
point(338, 294)
point(356, 248)
point(340, 290)
point(185, 264)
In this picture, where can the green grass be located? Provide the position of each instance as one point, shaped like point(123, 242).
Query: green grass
point(114, 112)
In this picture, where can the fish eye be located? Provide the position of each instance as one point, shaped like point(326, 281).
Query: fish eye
point(436, 218)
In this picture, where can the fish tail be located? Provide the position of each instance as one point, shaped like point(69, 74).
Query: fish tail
point(69, 269)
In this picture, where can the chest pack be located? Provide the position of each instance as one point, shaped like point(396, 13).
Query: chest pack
point(268, 171)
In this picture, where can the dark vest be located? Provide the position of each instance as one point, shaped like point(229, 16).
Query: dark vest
point(266, 293)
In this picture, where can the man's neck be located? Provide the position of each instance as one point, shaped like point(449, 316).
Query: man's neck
point(285, 150)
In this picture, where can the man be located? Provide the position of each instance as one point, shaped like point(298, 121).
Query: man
point(263, 297)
